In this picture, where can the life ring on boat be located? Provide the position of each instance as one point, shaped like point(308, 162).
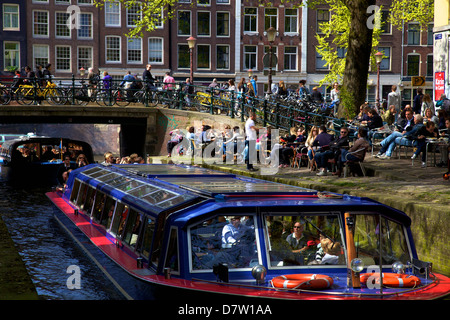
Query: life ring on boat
point(392, 279)
point(302, 281)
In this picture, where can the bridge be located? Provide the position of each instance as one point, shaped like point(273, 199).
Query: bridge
point(143, 130)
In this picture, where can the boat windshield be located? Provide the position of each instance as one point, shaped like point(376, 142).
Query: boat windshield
point(228, 240)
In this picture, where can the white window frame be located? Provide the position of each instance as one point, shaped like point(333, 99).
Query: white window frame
point(291, 33)
point(217, 56)
point(91, 58)
point(69, 58)
point(229, 24)
point(129, 21)
point(382, 50)
point(209, 21)
point(107, 48)
point(249, 16)
point(65, 24)
point(34, 52)
point(15, 50)
point(290, 54)
point(43, 23)
point(271, 16)
point(91, 26)
point(209, 58)
point(63, 2)
point(10, 15)
point(85, 2)
point(128, 50)
point(110, 6)
point(251, 54)
point(162, 50)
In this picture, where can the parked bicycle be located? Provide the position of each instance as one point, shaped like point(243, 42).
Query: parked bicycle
point(29, 94)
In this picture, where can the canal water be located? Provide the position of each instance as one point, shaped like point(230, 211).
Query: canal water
point(47, 250)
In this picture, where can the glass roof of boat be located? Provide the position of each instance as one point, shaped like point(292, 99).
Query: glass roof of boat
point(168, 169)
point(217, 185)
point(150, 192)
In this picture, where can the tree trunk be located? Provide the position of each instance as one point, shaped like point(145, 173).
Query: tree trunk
point(358, 54)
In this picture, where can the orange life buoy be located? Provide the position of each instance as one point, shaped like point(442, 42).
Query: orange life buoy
point(392, 279)
point(302, 281)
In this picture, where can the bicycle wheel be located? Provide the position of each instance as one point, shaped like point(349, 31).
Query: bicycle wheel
point(120, 98)
point(5, 96)
point(104, 98)
point(23, 98)
point(56, 96)
point(78, 96)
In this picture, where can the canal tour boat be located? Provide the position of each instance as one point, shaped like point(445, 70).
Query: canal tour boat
point(164, 231)
point(32, 159)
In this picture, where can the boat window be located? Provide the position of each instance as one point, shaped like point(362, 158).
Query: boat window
point(99, 205)
point(108, 176)
point(149, 230)
point(81, 199)
point(120, 216)
point(294, 240)
point(172, 252)
point(132, 228)
point(108, 212)
point(89, 202)
point(75, 191)
point(228, 240)
point(129, 185)
point(393, 241)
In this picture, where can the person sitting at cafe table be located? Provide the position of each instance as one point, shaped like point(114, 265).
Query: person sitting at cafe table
point(424, 131)
point(290, 142)
point(356, 152)
point(332, 152)
point(373, 123)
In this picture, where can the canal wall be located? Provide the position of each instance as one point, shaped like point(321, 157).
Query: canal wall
point(15, 282)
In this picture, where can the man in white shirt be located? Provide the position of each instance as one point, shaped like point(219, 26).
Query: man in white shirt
point(394, 98)
point(250, 141)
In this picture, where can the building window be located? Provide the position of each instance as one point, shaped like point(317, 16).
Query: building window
point(290, 58)
point(385, 64)
point(63, 58)
point(223, 1)
point(40, 24)
point(155, 50)
point(62, 1)
point(158, 19)
point(84, 1)
point(11, 17)
point(203, 56)
point(113, 49)
point(270, 18)
point(413, 34)
point(62, 31)
point(203, 23)
point(250, 19)
point(413, 62)
point(430, 65)
point(183, 56)
point(85, 58)
point(320, 62)
point(250, 55)
point(40, 55)
point(134, 50)
point(223, 57)
point(323, 16)
point(223, 24)
point(184, 23)
point(386, 25)
point(112, 14)
point(430, 36)
point(11, 54)
point(134, 15)
point(85, 30)
point(290, 21)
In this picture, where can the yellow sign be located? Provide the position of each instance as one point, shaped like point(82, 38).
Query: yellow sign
point(418, 81)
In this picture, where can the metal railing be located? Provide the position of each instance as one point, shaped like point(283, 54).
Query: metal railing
point(278, 112)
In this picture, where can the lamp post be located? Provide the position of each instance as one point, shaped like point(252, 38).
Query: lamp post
point(82, 73)
point(378, 59)
point(271, 34)
point(191, 43)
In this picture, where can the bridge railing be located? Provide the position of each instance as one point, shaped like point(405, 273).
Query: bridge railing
point(281, 112)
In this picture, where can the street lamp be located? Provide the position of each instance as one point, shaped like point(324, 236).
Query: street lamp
point(191, 43)
point(378, 59)
point(271, 34)
point(250, 73)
